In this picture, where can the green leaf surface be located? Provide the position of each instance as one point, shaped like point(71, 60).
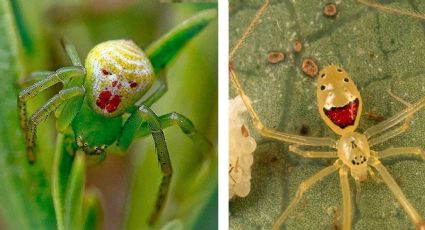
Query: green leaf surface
point(168, 46)
point(92, 210)
point(380, 51)
point(25, 201)
point(73, 205)
point(62, 166)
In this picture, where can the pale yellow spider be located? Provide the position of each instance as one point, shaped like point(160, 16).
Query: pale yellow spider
point(340, 105)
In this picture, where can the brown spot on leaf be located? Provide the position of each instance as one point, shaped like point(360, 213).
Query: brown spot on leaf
point(330, 10)
point(275, 57)
point(297, 46)
point(309, 67)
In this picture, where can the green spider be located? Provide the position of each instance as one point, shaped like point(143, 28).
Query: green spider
point(98, 96)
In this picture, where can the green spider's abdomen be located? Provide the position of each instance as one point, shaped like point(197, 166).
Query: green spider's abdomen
point(118, 74)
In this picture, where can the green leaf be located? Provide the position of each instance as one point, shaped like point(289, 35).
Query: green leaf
point(61, 172)
point(73, 205)
point(168, 46)
point(173, 225)
point(25, 201)
point(380, 51)
point(92, 215)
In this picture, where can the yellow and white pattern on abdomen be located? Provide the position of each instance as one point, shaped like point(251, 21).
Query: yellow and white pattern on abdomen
point(118, 74)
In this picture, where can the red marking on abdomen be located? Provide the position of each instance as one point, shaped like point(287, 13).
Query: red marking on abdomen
point(344, 116)
point(103, 99)
point(108, 101)
point(133, 84)
point(105, 72)
point(113, 104)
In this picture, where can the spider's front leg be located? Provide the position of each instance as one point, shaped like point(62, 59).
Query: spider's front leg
point(391, 122)
point(312, 154)
point(271, 133)
point(61, 75)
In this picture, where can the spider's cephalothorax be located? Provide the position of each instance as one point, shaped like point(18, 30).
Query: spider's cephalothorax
point(118, 74)
point(353, 150)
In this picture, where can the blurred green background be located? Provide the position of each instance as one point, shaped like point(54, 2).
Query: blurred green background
point(380, 51)
point(128, 184)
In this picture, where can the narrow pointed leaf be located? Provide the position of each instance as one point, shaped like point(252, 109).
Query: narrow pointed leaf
point(25, 202)
point(74, 193)
point(167, 47)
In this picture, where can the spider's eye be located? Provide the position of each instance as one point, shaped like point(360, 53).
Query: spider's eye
point(346, 80)
point(322, 87)
point(339, 70)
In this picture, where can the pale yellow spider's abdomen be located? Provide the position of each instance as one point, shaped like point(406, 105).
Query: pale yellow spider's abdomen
point(338, 100)
point(118, 75)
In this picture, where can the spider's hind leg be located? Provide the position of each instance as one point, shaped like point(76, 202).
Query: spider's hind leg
point(304, 186)
point(142, 115)
point(145, 122)
point(398, 194)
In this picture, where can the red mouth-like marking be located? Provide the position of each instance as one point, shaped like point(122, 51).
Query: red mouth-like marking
point(343, 116)
point(107, 101)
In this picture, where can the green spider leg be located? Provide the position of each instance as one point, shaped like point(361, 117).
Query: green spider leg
point(43, 112)
point(186, 126)
point(40, 75)
point(33, 78)
point(145, 122)
point(48, 79)
point(142, 115)
point(156, 94)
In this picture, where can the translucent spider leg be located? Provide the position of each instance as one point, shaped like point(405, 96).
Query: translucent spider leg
point(396, 119)
point(396, 131)
point(398, 194)
point(312, 154)
point(402, 151)
point(346, 198)
point(249, 29)
point(145, 115)
point(43, 112)
point(390, 9)
point(304, 186)
point(274, 134)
